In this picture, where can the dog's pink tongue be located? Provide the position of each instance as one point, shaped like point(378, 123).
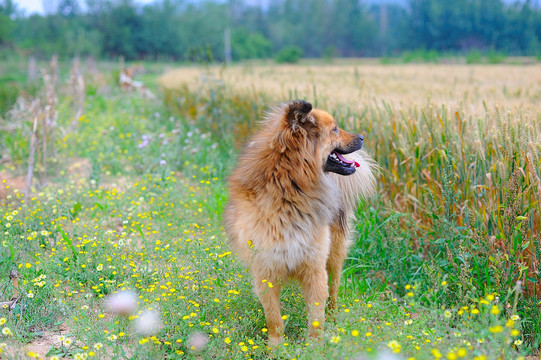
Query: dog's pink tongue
point(343, 159)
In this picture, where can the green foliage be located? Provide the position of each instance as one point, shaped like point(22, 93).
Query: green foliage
point(420, 55)
point(465, 24)
point(55, 34)
point(289, 54)
point(13, 82)
point(6, 27)
point(201, 55)
point(8, 94)
point(330, 53)
point(473, 57)
point(387, 60)
point(494, 57)
point(248, 45)
point(491, 57)
point(119, 37)
point(8, 7)
point(175, 31)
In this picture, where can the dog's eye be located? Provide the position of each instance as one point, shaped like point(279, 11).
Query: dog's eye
point(335, 129)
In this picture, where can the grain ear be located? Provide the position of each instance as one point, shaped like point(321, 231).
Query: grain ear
point(298, 114)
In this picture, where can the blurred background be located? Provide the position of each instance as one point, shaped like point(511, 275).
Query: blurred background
point(208, 31)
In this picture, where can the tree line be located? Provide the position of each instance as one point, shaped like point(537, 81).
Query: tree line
point(194, 30)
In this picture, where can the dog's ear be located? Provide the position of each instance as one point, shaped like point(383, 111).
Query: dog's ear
point(298, 114)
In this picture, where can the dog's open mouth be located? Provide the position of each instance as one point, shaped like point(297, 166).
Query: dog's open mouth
point(342, 161)
point(336, 163)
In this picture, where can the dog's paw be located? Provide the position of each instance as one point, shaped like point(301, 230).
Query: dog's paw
point(316, 337)
point(275, 340)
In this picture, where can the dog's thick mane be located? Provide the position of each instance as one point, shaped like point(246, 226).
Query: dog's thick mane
point(261, 153)
point(288, 183)
point(281, 151)
point(360, 185)
point(353, 188)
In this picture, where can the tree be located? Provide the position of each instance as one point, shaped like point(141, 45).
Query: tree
point(351, 30)
point(194, 30)
point(246, 45)
point(159, 34)
point(68, 8)
point(120, 26)
point(7, 10)
point(392, 23)
point(201, 28)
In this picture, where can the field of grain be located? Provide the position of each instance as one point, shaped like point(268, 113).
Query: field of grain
point(129, 198)
point(358, 85)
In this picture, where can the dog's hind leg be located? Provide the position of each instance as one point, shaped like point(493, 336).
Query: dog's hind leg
point(335, 261)
point(268, 288)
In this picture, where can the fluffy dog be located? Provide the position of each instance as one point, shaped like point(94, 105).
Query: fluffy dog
point(291, 200)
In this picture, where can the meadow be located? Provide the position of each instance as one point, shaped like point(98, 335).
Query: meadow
point(130, 198)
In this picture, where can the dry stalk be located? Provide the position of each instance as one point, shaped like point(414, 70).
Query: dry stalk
point(50, 113)
point(77, 90)
point(32, 155)
point(121, 63)
point(91, 66)
point(32, 69)
point(14, 277)
point(43, 124)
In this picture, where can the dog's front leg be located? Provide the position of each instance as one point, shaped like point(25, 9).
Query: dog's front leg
point(335, 262)
point(268, 289)
point(313, 279)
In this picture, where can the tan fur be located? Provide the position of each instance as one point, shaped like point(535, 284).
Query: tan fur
point(287, 218)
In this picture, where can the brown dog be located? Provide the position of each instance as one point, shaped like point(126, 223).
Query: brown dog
point(291, 198)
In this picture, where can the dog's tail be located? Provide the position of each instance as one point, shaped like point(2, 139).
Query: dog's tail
point(360, 185)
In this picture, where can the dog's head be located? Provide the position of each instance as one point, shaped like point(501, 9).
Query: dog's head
point(320, 127)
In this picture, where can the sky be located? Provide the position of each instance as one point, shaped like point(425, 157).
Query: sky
point(36, 6)
point(30, 6)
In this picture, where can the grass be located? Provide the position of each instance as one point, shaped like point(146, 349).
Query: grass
point(140, 189)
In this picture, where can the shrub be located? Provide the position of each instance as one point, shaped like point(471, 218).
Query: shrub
point(494, 57)
point(330, 53)
point(473, 57)
point(246, 45)
point(8, 94)
point(421, 55)
point(289, 54)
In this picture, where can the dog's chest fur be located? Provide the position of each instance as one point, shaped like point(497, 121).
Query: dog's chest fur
point(302, 226)
point(285, 229)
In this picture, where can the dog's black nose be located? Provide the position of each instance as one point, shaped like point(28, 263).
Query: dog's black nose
point(361, 137)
